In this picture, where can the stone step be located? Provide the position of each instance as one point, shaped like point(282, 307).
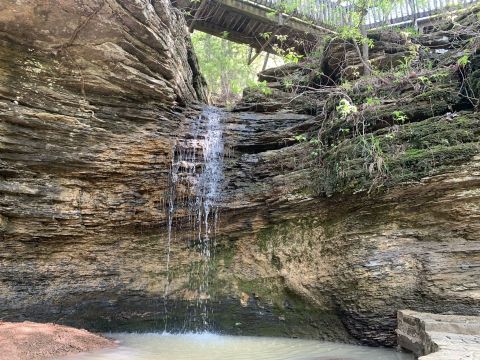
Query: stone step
point(439, 337)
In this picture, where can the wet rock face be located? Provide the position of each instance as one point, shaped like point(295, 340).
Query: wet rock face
point(102, 44)
point(91, 96)
point(361, 222)
point(88, 107)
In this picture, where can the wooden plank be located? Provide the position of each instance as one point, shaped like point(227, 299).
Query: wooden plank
point(265, 62)
point(264, 46)
point(236, 20)
point(197, 15)
point(219, 12)
point(261, 13)
point(217, 30)
point(250, 53)
point(241, 26)
point(326, 13)
point(245, 19)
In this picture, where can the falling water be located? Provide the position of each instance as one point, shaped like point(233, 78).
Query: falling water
point(171, 197)
point(207, 196)
point(195, 182)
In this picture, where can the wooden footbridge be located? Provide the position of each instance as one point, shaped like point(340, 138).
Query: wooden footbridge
point(265, 25)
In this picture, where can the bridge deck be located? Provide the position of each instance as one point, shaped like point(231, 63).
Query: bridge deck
point(256, 23)
point(250, 23)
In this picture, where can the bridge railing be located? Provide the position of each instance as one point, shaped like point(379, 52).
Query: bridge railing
point(410, 11)
point(337, 13)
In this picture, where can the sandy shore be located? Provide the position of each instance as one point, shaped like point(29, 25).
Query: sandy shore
point(35, 341)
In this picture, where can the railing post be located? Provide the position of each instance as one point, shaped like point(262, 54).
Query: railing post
point(197, 15)
point(265, 61)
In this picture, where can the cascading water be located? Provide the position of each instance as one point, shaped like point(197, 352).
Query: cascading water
point(197, 194)
point(208, 191)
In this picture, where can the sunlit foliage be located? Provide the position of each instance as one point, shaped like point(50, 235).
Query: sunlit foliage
point(225, 66)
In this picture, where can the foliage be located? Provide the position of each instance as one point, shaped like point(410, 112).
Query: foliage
point(399, 116)
point(300, 138)
point(354, 17)
point(372, 101)
point(464, 60)
point(224, 65)
point(406, 64)
point(262, 87)
point(345, 108)
point(409, 31)
point(383, 129)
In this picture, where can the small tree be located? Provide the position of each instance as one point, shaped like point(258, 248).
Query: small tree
point(354, 16)
point(356, 27)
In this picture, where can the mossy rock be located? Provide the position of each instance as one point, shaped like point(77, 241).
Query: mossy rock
point(389, 157)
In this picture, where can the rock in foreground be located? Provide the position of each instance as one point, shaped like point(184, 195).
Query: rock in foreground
point(35, 341)
point(439, 337)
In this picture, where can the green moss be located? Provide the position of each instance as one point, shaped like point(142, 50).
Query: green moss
point(269, 290)
point(271, 237)
point(423, 162)
point(407, 153)
point(414, 153)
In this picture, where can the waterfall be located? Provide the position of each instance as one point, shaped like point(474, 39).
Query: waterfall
point(193, 197)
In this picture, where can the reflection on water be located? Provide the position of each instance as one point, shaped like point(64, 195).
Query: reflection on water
point(208, 346)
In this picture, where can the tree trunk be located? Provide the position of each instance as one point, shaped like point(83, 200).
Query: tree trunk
point(365, 51)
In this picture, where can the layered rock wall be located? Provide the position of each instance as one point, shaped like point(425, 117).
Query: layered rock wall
point(370, 203)
point(357, 258)
point(92, 95)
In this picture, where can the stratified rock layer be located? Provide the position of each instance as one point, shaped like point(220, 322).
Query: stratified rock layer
point(359, 256)
point(376, 201)
point(92, 94)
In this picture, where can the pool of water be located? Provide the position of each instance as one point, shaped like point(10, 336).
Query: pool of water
point(209, 346)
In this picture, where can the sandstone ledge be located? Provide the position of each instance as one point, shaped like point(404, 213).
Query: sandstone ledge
point(35, 341)
point(439, 337)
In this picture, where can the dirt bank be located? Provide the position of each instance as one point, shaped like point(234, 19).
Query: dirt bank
point(35, 341)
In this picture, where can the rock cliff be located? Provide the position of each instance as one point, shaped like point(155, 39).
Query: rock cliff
point(375, 193)
point(325, 231)
point(92, 94)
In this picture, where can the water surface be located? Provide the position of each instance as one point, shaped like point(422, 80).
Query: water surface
point(209, 346)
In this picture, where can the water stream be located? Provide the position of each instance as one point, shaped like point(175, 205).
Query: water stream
point(193, 196)
point(207, 346)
